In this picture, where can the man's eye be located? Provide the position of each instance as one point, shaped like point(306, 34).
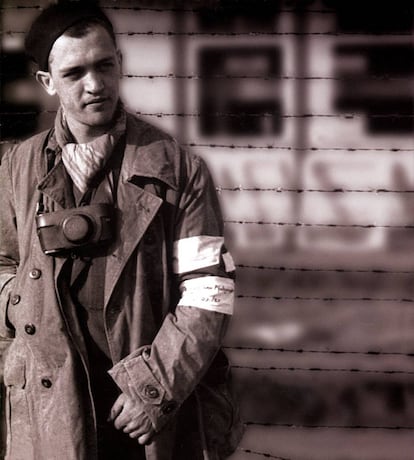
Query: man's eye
point(106, 65)
point(73, 74)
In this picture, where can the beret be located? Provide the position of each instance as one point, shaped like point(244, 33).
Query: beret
point(54, 21)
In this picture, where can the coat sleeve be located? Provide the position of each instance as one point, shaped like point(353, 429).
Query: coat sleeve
point(163, 375)
point(9, 254)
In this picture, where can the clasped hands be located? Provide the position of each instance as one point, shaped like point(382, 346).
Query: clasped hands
point(127, 415)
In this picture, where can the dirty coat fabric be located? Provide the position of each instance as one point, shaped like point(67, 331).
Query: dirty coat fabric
point(168, 297)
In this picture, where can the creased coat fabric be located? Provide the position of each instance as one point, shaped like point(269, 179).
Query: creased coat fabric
point(163, 338)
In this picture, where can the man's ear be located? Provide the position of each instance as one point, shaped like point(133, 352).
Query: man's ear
point(46, 80)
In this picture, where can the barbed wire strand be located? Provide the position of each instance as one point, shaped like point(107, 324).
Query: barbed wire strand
point(262, 454)
point(319, 369)
point(348, 78)
point(280, 115)
point(241, 188)
point(257, 33)
point(387, 78)
point(334, 427)
point(240, 115)
point(376, 271)
point(324, 299)
point(327, 225)
point(272, 147)
point(214, 7)
point(325, 352)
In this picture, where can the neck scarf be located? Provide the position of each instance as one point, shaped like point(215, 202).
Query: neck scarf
point(84, 161)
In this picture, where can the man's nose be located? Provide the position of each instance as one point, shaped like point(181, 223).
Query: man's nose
point(93, 82)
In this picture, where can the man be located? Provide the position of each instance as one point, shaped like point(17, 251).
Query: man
point(116, 286)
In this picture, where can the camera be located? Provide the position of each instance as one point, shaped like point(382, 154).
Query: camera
point(75, 229)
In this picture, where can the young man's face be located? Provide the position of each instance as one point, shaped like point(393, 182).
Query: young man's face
point(84, 72)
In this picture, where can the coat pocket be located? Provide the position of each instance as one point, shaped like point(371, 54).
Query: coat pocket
point(14, 370)
point(6, 285)
point(18, 420)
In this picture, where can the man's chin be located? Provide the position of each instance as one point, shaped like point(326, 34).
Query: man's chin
point(99, 119)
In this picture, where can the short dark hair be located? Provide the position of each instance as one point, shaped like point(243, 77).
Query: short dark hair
point(83, 27)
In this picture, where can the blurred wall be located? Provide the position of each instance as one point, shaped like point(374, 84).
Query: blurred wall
point(304, 112)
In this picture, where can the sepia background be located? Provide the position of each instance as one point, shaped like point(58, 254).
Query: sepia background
point(304, 112)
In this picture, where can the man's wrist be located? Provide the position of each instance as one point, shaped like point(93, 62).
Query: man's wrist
point(135, 379)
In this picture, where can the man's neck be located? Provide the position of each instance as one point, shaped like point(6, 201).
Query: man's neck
point(83, 134)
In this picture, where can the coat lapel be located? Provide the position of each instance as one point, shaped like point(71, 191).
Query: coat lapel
point(136, 206)
point(136, 209)
point(57, 186)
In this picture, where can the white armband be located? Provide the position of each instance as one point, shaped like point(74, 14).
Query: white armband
point(197, 252)
point(213, 293)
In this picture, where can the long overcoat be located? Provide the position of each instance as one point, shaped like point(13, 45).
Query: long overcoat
point(168, 233)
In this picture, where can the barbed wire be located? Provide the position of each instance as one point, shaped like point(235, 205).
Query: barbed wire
point(327, 225)
point(262, 454)
point(203, 9)
point(327, 352)
point(231, 8)
point(325, 299)
point(379, 271)
point(271, 147)
point(320, 369)
point(257, 33)
point(268, 147)
point(241, 115)
point(260, 33)
point(346, 116)
point(241, 188)
point(347, 78)
point(334, 427)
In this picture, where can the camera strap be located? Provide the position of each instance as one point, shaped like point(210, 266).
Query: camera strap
point(50, 162)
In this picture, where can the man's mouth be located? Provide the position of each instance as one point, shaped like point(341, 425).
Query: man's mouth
point(96, 101)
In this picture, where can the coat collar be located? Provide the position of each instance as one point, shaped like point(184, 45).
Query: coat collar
point(55, 183)
point(148, 154)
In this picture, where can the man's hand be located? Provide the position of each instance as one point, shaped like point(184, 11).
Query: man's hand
point(128, 416)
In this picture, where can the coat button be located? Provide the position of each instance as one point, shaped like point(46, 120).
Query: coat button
point(169, 407)
point(151, 392)
point(15, 299)
point(30, 329)
point(46, 383)
point(35, 274)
